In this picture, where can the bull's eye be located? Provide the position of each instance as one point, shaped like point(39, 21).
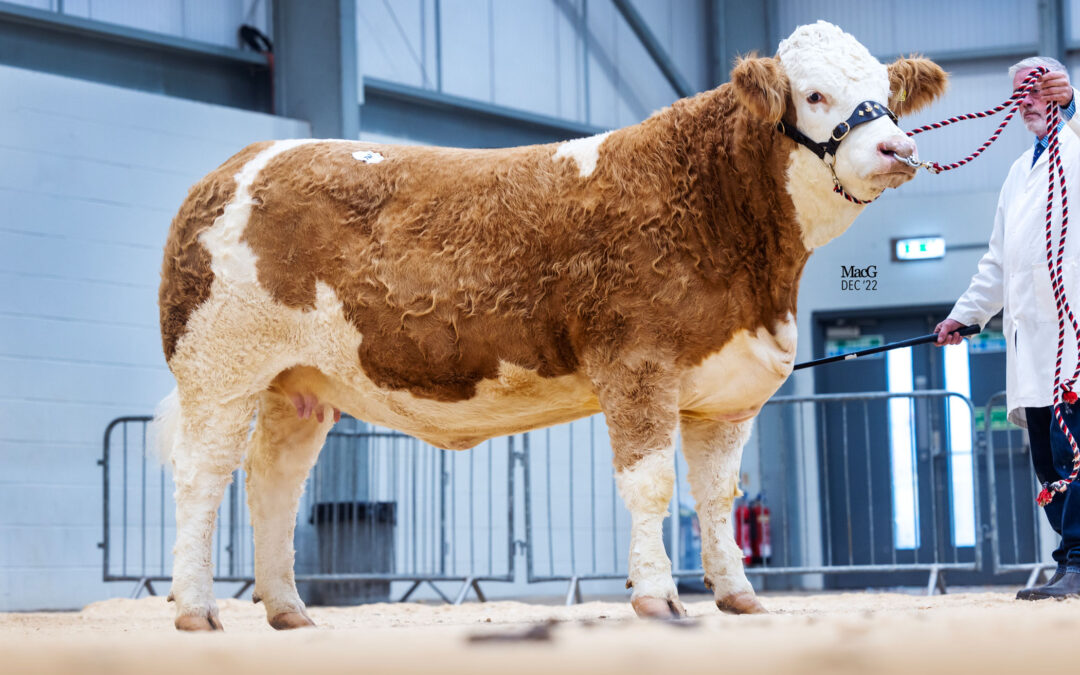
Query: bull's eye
point(815, 97)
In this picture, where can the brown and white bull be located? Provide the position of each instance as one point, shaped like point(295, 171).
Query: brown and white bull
point(649, 273)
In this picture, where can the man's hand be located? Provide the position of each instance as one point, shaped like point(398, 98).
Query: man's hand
point(1054, 87)
point(946, 333)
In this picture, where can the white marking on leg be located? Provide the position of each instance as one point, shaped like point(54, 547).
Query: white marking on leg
point(584, 151)
point(283, 450)
point(713, 452)
point(211, 447)
point(646, 489)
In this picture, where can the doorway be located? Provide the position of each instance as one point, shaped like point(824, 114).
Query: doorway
point(919, 495)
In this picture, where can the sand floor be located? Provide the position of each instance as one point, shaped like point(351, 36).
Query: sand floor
point(984, 632)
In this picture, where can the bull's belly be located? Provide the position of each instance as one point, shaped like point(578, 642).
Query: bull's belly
point(518, 400)
point(731, 384)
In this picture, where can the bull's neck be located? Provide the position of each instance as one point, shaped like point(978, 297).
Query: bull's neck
point(743, 168)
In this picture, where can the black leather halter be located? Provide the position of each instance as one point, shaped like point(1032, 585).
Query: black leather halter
point(867, 111)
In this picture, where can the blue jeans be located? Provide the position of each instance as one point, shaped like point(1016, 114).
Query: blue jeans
point(1053, 462)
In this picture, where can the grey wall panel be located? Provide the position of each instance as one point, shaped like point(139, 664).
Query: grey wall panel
point(974, 87)
point(89, 181)
point(161, 16)
point(396, 40)
point(681, 29)
point(530, 54)
point(918, 25)
point(467, 49)
point(625, 84)
point(569, 62)
point(26, 461)
point(688, 42)
point(523, 56)
point(212, 21)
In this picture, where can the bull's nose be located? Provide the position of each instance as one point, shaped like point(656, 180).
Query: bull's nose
point(897, 146)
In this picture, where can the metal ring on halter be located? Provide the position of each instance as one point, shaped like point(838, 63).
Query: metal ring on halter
point(843, 135)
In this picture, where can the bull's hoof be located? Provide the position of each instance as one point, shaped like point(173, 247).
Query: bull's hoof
point(290, 620)
point(193, 623)
point(741, 603)
point(658, 608)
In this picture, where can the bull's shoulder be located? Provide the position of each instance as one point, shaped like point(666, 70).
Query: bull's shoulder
point(185, 273)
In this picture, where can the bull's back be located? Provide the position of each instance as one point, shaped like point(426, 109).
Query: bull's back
point(440, 258)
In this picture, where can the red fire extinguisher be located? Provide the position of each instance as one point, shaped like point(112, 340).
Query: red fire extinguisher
point(761, 539)
point(742, 529)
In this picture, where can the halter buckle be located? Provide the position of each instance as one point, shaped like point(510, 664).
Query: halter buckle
point(847, 129)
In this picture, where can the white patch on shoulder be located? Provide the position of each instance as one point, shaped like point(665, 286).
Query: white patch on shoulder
point(368, 157)
point(232, 260)
point(733, 383)
point(584, 151)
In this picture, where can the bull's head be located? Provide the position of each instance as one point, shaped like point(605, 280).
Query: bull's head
point(817, 79)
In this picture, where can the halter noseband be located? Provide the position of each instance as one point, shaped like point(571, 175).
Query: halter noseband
point(867, 111)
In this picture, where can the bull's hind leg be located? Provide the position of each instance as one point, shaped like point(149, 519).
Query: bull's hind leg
point(210, 447)
point(283, 450)
point(713, 452)
point(639, 402)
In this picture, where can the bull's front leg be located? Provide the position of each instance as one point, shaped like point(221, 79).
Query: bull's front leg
point(639, 401)
point(713, 452)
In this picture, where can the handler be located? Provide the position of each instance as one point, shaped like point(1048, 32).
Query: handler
point(1013, 274)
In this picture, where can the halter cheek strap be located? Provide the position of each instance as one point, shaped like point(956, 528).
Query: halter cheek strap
point(867, 111)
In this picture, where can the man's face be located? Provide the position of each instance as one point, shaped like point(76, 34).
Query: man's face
point(1032, 107)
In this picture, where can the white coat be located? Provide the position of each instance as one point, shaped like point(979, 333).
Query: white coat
point(1013, 274)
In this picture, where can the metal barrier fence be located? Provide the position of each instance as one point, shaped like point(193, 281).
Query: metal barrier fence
point(826, 462)
point(1012, 491)
point(380, 507)
point(857, 485)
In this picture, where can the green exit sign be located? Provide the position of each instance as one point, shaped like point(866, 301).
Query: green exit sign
point(918, 248)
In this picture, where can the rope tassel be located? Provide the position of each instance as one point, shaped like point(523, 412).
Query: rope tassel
point(1045, 496)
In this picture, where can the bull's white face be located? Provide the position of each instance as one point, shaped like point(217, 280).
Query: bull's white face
point(830, 73)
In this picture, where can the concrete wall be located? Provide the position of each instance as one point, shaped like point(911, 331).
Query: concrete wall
point(90, 177)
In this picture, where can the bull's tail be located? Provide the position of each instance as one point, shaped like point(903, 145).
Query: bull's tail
point(165, 429)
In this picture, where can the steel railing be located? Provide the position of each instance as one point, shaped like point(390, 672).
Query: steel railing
point(379, 507)
point(382, 507)
point(1008, 461)
point(806, 450)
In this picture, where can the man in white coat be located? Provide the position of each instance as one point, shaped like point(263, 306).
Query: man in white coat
point(1013, 274)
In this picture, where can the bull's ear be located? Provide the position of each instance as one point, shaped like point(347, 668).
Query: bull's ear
point(914, 83)
point(762, 86)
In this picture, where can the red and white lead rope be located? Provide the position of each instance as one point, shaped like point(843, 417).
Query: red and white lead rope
point(1063, 391)
point(934, 167)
